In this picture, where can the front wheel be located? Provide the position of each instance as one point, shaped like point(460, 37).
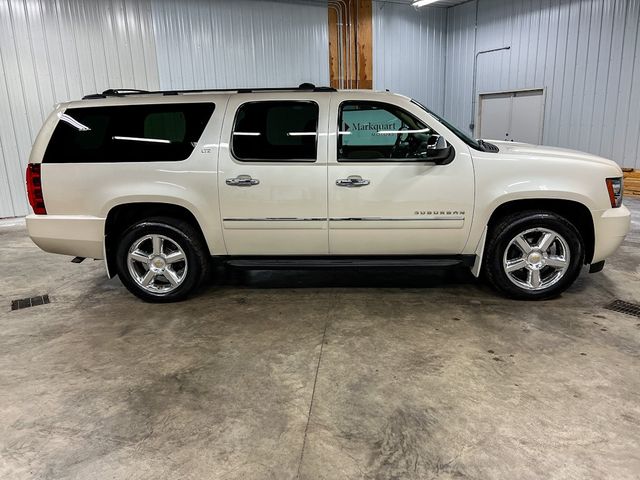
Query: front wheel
point(533, 255)
point(161, 259)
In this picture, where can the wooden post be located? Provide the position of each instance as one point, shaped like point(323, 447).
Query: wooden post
point(365, 44)
point(351, 61)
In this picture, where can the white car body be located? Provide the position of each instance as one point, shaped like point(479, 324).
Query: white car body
point(416, 208)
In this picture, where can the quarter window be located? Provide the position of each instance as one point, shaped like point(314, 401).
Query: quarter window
point(374, 131)
point(274, 131)
point(128, 133)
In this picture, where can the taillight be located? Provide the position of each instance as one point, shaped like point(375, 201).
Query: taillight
point(34, 189)
point(614, 187)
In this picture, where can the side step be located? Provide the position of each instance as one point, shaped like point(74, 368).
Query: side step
point(341, 261)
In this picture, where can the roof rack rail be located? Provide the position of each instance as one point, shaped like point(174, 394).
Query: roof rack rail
point(123, 92)
point(115, 92)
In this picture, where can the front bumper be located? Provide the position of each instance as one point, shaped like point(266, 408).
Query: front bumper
point(611, 226)
point(75, 235)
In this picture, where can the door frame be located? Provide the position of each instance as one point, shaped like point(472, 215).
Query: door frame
point(478, 127)
point(240, 224)
point(430, 219)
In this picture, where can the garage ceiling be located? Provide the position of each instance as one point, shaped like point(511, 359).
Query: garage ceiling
point(439, 3)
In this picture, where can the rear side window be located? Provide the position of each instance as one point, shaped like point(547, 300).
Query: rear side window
point(131, 133)
point(274, 131)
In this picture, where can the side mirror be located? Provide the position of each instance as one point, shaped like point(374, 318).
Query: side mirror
point(439, 144)
point(436, 149)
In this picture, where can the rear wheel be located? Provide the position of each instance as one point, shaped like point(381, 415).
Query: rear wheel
point(161, 259)
point(533, 255)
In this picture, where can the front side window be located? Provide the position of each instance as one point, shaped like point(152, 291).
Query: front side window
point(274, 131)
point(128, 133)
point(375, 131)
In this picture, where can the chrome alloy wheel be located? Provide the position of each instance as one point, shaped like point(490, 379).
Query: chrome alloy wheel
point(536, 259)
point(157, 263)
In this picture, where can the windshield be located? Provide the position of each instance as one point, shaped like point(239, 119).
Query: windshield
point(465, 138)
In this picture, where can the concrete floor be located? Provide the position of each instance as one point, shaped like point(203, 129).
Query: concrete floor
point(316, 375)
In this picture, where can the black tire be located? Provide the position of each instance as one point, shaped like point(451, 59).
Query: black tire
point(507, 228)
point(196, 264)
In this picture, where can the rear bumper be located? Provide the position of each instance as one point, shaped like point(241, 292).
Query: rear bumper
point(75, 235)
point(611, 226)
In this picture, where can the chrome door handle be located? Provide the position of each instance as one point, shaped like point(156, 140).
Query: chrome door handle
point(242, 181)
point(352, 181)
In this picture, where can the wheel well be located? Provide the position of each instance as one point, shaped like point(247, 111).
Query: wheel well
point(577, 213)
point(123, 216)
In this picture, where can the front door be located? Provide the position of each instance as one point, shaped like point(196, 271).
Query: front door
point(273, 174)
point(399, 181)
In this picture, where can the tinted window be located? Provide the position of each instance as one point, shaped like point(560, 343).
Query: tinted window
point(275, 131)
point(132, 133)
point(374, 131)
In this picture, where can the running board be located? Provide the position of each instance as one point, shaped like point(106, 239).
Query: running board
point(342, 261)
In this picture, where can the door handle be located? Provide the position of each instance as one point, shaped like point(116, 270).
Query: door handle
point(242, 181)
point(352, 181)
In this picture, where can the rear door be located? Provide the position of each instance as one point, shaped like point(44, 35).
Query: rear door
point(387, 192)
point(273, 174)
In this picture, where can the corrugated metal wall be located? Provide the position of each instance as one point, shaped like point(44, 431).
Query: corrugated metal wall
point(244, 43)
point(409, 51)
point(586, 53)
point(459, 78)
point(57, 50)
point(52, 51)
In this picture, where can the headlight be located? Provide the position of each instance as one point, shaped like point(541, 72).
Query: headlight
point(615, 187)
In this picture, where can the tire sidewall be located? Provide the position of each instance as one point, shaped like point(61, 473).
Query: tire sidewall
point(134, 233)
point(535, 220)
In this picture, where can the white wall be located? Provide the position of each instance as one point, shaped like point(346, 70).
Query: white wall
point(57, 50)
point(241, 43)
point(459, 77)
point(409, 52)
point(586, 53)
point(52, 51)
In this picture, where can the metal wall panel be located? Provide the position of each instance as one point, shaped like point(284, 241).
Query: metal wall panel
point(585, 53)
point(57, 50)
point(409, 51)
point(244, 43)
point(459, 77)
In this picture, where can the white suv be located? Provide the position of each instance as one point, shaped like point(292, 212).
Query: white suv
point(162, 184)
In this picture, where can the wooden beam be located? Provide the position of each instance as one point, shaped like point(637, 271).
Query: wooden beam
point(351, 43)
point(334, 60)
point(365, 44)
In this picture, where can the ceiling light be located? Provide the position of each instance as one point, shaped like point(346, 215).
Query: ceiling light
point(422, 3)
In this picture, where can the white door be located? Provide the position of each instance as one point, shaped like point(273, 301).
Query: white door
point(495, 119)
point(527, 116)
point(399, 182)
point(512, 116)
point(273, 175)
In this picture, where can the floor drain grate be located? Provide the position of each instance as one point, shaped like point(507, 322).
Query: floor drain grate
point(624, 307)
point(29, 302)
